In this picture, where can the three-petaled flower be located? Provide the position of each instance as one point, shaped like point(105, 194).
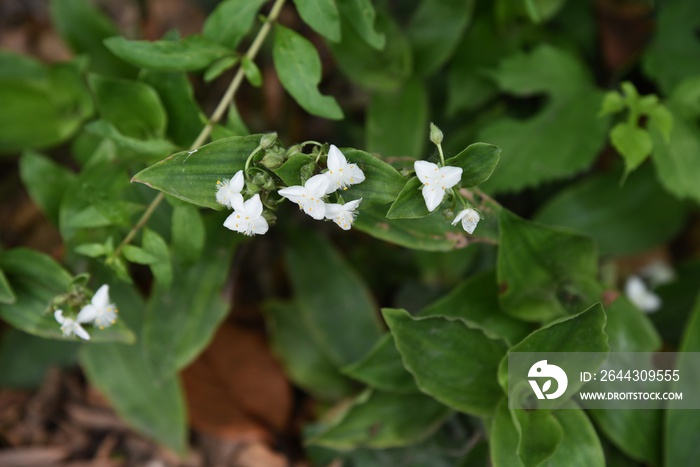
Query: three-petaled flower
point(343, 214)
point(470, 218)
point(341, 174)
point(229, 191)
point(643, 298)
point(247, 217)
point(99, 311)
point(435, 181)
point(71, 326)
point(310, 196)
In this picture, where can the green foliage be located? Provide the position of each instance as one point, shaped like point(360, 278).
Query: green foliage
point(231, 20)
point(24, 359)
point(561, 139)
point(322, 16)
point(299, 70)
point(46, 182)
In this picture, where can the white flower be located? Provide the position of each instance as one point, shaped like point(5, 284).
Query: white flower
point(640, 296)
point(247, 217)
point(470, 218)
point(343, 214)
point(71, 326)
point(229, 191)
point(659, 273)
point(435, 181)
point(309, 197)
point(341, 174)
point(100, 310)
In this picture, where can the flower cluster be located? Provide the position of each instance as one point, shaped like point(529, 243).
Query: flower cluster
point(100, 312)
point(247, 214)
point(436, 181)
point(310, 196)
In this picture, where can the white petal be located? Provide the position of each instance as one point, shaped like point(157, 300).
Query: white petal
point(354, 175)
point(87, 314)
point(352, 205)
point(450, 176)
point(236, 201)
point(433, 196)
point(317, 185)
point(253, 207)
point(101, 297)
point(58, 315)
point(237, 182)
point(235, 222)
point(332, 210)
point(425, 171)
point(336, 159)
point(469, 224)
point(295, 194)
point(259, 226)
point(315, 209)
point(80, 332)
point(344, 220)
point(460, 216)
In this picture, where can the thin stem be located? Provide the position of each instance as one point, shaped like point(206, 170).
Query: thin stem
point(442, 156)
point(216, 116)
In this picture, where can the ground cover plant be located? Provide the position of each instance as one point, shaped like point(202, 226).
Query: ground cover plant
point(352, 212)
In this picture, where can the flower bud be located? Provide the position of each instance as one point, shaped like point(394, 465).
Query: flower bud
point(268, 140)
point(269, 216)
point(435, 135)
point(273, 159)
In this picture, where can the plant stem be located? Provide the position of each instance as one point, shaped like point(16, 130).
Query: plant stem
point(216, 116)
point(442, 156)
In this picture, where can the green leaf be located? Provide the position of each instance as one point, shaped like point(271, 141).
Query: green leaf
point(383, 420)
point(138, 255)
point(84, 28)
point(154, 407)
point(634, 144)
point(382, 182)
point(475, 301)
point(57, 93)
point(151, 149)
point(252, 72)
point(381, 70)
point(231, 20)
point(361, 15)
point(458, 369)
point(677, 299)
point(36, 280)
point(217, 68)
point(7, 296)
point(568, 132)
point(597, 206)
point(679, 423)
point(192, 175)
point(541, 434)
point(580, 446)
point(322, 16)
point(134, 108)
point(410, 203)
point(185, 119)
point(544, 272)
point(383, 369)
point(432, 233)
point(299, 69)
point(581, 333)
point(403, 112)
point(46, 181)
point(662, 119)
point(188, 233)
point(156, 247)
point(477, 161)
point(25, 359)
point(181, 318)
point(188, 54)
point(304, 361)
point(290, 171)
point(676, 165)
point(671, 56)
point(92, 250)
point(435, 30)
point(481, 48)
point(341, 314)
point(613, 103)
